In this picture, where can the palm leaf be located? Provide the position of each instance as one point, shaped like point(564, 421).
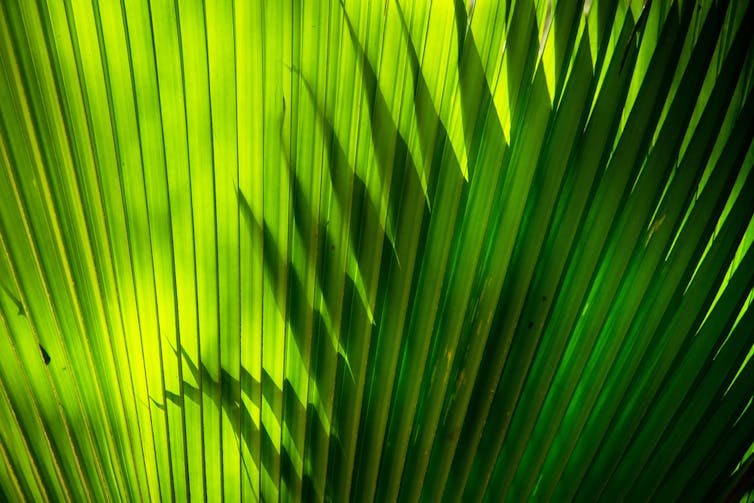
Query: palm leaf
point(376, 251)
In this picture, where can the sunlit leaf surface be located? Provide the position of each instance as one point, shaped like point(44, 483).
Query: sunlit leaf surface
point(373, 250)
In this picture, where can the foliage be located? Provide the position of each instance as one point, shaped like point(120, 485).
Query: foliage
point(333, 250)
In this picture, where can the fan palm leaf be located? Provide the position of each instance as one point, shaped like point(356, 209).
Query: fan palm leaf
point(376, 251)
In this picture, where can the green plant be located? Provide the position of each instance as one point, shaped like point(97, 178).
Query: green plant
point(376, 250)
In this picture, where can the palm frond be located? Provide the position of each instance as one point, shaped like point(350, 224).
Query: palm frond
point(376, 251)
